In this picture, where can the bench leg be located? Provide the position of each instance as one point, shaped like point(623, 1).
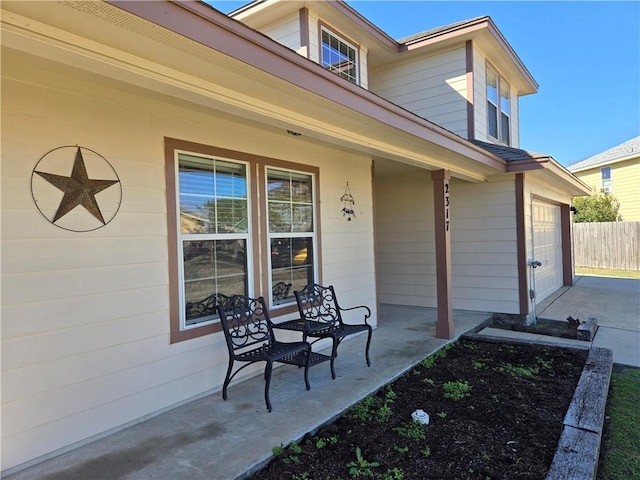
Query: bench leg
point(267, 381)
point(334, 354)
point(227, 379)
point(366, 352)
point(306, 371)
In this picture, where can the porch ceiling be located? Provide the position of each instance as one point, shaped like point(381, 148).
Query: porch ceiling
point(196, 54)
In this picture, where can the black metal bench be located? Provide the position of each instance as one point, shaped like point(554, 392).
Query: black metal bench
point(250, 339)
point(321, 317)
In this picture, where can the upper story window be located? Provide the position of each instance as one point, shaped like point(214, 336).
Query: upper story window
point(498, 107)
point(339, 56)
point(237, 224)
point(605, 173)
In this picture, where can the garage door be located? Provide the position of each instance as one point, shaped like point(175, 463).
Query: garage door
point(547, 248)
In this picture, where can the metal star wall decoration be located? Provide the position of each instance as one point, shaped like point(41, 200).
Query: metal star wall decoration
point(78, 189)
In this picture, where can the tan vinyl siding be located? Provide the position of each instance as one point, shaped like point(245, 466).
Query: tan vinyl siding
point(433, 87)
point(405, 239)
point(85, 316)
point(483, 243)
point(285, 31)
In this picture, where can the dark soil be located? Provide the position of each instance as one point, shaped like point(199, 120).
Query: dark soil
point(554, 328)
point(505, 425)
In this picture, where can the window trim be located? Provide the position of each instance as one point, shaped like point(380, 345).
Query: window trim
point(499, 81)
point(259, 281)
point(344, 39)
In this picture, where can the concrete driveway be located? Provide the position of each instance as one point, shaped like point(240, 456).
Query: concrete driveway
point(614, 302)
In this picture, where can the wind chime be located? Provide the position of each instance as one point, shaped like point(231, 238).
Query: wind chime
point(347, 204)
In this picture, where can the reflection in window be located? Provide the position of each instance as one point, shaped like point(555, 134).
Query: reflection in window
point(291, 230)
point(339, 56)
point(498, 107)
point(213, 233)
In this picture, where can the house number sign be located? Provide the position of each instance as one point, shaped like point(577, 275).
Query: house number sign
point(446, 205)
point(76, 188)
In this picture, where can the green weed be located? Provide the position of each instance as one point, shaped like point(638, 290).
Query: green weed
point(412, 430)
point(456, 390)
point(361, 467)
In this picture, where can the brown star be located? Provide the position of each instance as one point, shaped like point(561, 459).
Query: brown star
point(78, 189)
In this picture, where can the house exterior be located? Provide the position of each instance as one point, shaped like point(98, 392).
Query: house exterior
point(157, 153)
point(617, 171)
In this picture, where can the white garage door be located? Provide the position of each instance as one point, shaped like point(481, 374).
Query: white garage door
point(547, 248)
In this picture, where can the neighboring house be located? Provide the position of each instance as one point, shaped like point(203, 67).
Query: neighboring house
point(155, 154)
point(617, 171)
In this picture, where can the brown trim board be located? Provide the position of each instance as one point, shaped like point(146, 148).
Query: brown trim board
point(521, 231)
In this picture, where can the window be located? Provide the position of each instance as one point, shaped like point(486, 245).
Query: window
point(290, 200)
point(339, 56)
point(605, 174)
point(498, 107)
point(214, 233)
point(217, 245)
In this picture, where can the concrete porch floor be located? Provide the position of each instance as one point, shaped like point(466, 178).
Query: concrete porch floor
point(211, 439)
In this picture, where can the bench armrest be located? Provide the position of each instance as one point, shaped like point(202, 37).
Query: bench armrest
point(367, 315)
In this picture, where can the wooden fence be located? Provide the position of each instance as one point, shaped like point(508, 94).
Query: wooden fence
point(611, 245)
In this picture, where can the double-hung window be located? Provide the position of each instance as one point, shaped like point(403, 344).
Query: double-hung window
point(605, 173)
point(291, 231)
point(339, 56)
point(214, 233)
point(498, 107)
point(238, 224)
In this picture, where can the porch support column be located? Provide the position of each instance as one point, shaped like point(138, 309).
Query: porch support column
point(444, 325)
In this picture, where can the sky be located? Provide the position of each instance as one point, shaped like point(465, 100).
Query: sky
point(584, 55)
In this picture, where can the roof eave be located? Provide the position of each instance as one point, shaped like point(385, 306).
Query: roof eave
point(572, 184)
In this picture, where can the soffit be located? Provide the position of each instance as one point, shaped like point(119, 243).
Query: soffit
point(106, 40)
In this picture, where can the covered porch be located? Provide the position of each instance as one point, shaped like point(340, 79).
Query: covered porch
point(209, 438)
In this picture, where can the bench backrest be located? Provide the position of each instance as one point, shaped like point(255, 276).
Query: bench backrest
point(318, 304)
point(245, 322)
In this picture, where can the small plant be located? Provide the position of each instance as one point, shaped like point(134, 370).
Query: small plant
point(412, 430)
point(393, 474)
point(361, 467)
point(456, 390)
point(401, 449)
point(519, 371)
point(426, 451)
point(301, 476)
point(477, 365)
point(547, 364)
point(442, 415)
point(290, 454)
point(384, 413)
point(430, 361)
point(295, 448)
point(428, 381)
point(363, 410)
point(321, 442)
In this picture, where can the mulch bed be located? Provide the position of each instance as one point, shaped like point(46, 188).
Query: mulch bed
point(496, 412)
